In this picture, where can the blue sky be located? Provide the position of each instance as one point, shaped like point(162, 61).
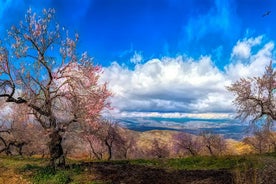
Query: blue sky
point(166, 56)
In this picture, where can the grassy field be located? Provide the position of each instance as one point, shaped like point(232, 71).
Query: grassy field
point(238, 169)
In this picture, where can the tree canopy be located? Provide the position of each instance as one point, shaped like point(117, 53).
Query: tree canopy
point(41, 68)
point(255, 98)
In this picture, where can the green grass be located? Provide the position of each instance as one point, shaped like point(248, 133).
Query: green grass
point(46, 175)
point(202, 162)
point(272, 155)
point(15, 162)
point(211, 162)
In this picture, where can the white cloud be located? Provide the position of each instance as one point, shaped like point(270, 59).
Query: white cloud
point(136, 58)
point(255, 63)
point(165, 85)
point(243, 48)
point(177, 115)
point(170, 86)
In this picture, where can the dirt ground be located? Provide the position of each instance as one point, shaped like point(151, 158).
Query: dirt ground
point(136, 174)
point(125, 173)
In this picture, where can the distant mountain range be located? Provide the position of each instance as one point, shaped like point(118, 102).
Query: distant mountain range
point(229, 128)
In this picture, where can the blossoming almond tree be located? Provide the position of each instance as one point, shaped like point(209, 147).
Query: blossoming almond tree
point(40, 67)
point(255, 98)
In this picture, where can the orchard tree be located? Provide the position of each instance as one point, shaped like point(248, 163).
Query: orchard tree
point(96, 146)
point(40, 68)
point(109, 135)
point(159, 150)
point(21, 133)
point(25, 129)
point(127, 144)
point(255, 98)
point(190, 143)
point(109, 139)
point(214, 143)
point(4, 145)
point(272, 141)
point(259, 142)
point(94, 133)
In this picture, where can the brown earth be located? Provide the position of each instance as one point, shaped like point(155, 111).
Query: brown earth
point(112, 173)
point(137, 174)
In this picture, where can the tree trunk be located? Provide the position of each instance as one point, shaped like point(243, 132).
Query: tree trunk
point(274, 147)
point(193, 153)
point(6, 148)
point(57, 158)
point(125, 153)
point(210, 150)
point(109, 149)
point(98, 156)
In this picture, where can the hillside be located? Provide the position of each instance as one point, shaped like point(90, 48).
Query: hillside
point(166, 137)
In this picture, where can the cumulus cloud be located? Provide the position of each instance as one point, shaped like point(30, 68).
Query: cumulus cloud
point(165, 85)
point(256, 61)
point(243, 48)
point(183, 84)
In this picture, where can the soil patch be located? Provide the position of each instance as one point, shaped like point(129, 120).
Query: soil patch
point(127, 173)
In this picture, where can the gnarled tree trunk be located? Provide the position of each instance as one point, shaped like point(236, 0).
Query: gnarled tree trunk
point(56, 151)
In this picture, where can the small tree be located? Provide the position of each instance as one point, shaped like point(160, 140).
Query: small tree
point(260, 141)
point(42, 70)
point(214, 143)
point(26, 133)
point(127, 145)
point(272, 141)
point(187, 142)
point(3, 140)
point(10, 142)
point(96, 145)
point(159, 151)
point(111, 137)
point(103, 135)
point(13, 129)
